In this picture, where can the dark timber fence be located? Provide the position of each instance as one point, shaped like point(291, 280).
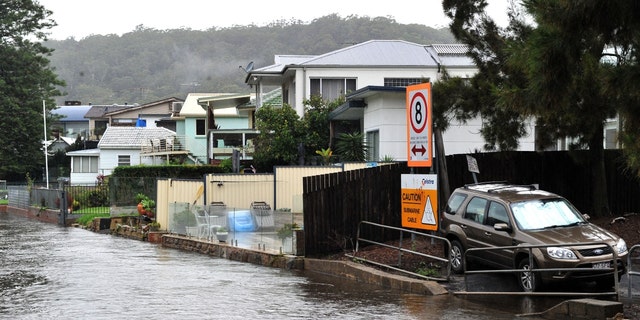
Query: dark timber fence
point(335, 203)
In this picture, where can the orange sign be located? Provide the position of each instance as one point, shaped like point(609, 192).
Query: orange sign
point(420, 201)
point(419, 125)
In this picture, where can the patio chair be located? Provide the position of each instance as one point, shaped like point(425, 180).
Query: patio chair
point(217, 215)
point(263, 215)
point(202, 222)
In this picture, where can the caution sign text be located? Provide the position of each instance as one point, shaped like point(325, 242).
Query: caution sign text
point(420, 201)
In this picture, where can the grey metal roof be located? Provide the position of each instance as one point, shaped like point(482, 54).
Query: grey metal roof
point(99, 111)
point(451, 49)
point(376, 53)
point(131, 137)
point(72, 113)
point(85, 153)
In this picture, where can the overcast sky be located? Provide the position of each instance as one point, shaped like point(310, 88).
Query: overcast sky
point(81, 18)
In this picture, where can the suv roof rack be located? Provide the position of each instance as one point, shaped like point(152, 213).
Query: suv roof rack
point(466, 186)
point(528, 186)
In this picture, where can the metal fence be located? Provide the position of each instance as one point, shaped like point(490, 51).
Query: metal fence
point(614, 269)
point(402, 249)
point(633, 260)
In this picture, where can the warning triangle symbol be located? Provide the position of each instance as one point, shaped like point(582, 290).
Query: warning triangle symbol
point(428, 216)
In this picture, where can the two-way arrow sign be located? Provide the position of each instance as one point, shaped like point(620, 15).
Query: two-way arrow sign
point(415, 150)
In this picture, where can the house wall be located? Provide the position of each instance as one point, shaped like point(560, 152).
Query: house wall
point(226, 123)
point(466, 138)
point(109, 159)
point(72, 129)
point(364, 77)
point(197, 145)
point(387, 114)
point(83, 178)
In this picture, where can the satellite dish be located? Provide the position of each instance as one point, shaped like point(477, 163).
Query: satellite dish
point(248, 68)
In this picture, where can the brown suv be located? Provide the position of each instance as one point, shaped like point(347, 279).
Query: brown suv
point(492, 214)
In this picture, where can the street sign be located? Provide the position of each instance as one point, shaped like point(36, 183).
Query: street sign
point(419, 201)
point(419, 122)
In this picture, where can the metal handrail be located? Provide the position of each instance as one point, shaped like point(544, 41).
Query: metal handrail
point(400, 250)
point(532, 269)
point(630, 272)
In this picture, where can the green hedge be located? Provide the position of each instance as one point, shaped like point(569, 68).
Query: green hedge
point(167, 171)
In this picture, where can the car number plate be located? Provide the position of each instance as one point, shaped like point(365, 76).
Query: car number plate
point(602, 265)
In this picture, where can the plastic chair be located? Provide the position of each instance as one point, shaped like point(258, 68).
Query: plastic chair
point(262, 214)
point(202, 222)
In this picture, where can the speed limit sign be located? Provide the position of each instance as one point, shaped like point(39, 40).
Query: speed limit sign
point(419, 125)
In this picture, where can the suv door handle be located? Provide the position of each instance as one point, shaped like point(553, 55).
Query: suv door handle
point(487, 233)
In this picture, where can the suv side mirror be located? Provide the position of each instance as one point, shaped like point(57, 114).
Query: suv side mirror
point(502, 227)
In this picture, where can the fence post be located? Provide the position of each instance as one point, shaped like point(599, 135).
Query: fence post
point(62, 217)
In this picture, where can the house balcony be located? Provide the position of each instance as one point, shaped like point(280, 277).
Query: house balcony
point(161, 150)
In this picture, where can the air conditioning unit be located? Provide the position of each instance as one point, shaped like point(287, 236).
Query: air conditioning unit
point(176, 107)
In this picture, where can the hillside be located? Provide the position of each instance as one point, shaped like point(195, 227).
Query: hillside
point(146, 64)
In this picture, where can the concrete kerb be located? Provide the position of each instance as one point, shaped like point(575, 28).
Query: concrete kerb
point(342, 269)
point(582, 309)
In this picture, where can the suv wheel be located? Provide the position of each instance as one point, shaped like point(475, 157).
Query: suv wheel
point(528, 281)
point(456, 257)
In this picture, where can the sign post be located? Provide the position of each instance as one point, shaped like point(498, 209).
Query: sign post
point(419, 125)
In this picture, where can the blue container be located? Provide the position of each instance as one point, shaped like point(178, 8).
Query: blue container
point(241, 221)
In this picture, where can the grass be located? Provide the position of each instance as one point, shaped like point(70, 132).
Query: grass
point(4, 202)
point(86, 219)
point(92, 210)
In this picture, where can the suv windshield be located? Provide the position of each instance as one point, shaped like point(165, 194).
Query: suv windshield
point(548, 213)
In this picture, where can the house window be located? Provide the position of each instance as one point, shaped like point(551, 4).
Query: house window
point(85, 164)
point(124, 160)
point(611, 138)
point(200, 127)
point(403, 82)
point(332, 89)
point(373, 145)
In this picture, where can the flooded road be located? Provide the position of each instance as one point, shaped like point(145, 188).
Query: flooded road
point(51, 272)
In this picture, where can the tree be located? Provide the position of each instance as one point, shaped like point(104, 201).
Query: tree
point(316, 125)
point(26, 80)
point(280, 139)
point(551, 69)
point(351, 147)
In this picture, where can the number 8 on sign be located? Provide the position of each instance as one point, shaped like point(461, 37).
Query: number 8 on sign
point(419, 106)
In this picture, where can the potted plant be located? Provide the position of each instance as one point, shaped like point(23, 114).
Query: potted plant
point(221, 234)
point(148, 206)
point(183, 219)
point(154, 226)
point(139, 198)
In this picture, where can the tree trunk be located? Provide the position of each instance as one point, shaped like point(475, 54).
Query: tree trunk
point(443, 174)
point(600, 204)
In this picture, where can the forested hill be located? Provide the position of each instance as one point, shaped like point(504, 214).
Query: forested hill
point(147, 64)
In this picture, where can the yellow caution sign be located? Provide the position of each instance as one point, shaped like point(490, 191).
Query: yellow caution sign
point(420, 201)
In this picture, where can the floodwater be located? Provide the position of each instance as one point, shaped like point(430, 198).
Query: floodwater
point(52, 272)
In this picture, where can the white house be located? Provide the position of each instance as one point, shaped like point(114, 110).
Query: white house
point(373, 76)
point(119, 146)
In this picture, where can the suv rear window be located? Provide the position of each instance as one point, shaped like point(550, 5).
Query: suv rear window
point(454, 203)
point(475, 209)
